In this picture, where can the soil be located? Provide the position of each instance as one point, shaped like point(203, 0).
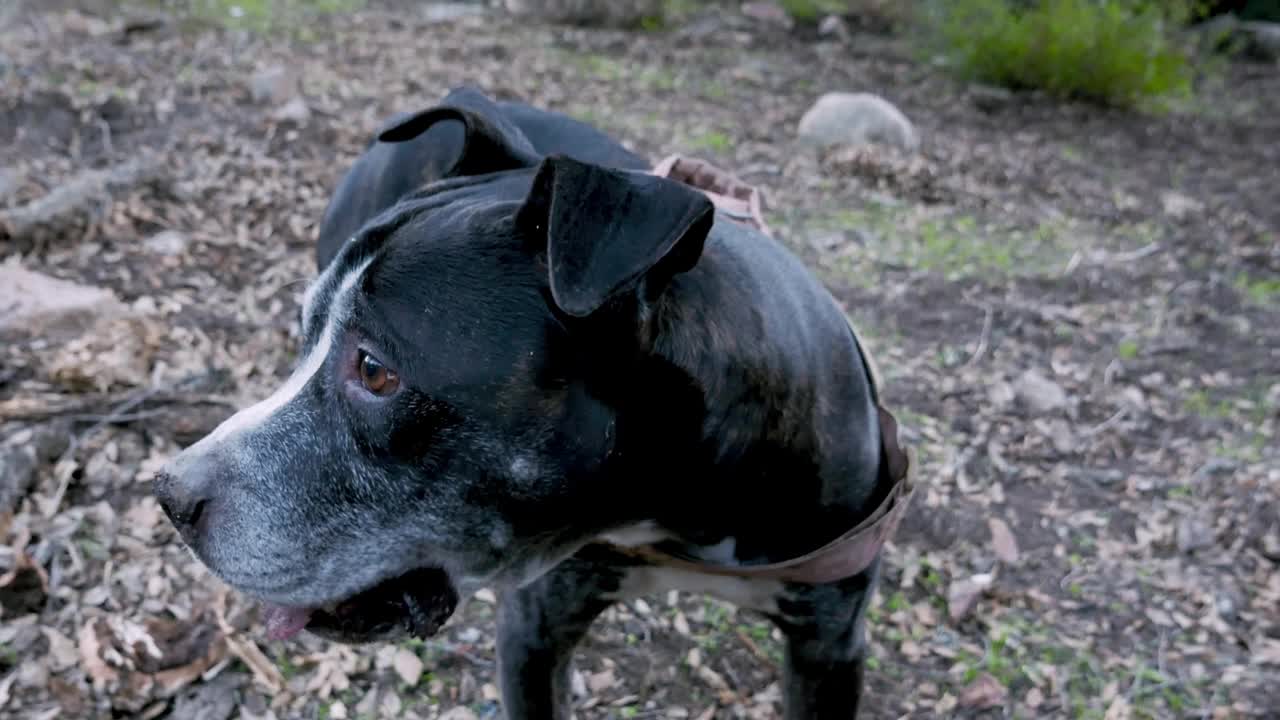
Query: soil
point(1076, 311)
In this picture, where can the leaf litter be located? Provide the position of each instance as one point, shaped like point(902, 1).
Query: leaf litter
point(1099, 532)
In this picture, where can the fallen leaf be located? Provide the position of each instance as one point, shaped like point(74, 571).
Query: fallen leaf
point(1002, 541)
point(1034, 698)
point(1268, 653)
point(408, 666)
point(91, 656)
point(962, 594)
point(984, 692)
point(63, 653)
point(601, 681)
point(1118, 709)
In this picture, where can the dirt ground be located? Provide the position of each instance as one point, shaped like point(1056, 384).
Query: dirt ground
point(1077, 312)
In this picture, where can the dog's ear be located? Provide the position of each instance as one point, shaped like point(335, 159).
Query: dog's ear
point(490, 142)
point(606, 231)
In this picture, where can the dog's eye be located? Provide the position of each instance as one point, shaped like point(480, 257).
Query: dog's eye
point(376, 377)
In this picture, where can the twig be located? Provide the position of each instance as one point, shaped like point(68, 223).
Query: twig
point(132, 401)
point(71, 196)
point(107, 145)
point(449, 648)
point(983, 339)
point(1106, 424)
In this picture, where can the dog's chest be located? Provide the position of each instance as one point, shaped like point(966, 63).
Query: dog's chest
point(752, 593)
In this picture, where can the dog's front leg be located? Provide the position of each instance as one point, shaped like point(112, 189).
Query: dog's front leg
point(539, 626)
point(826, 647)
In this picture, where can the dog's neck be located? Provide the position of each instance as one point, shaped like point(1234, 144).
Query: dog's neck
point(754, 436)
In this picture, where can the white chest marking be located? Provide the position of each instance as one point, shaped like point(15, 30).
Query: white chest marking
point(749, 593)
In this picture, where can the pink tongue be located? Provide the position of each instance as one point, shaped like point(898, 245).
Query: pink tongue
point(284, 622)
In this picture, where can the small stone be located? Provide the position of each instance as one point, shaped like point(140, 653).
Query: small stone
point(33, 303)
point(834, 26)
point(1039, 393)
point(990, 98)
point(295, 111)
point(841, 118)
point(338, 710)
point(1263, 39)
point(1194, 533)
point(1178, 206)
point(166, 242)
point(275, 85)
point(461, 712)
point(1001, 394)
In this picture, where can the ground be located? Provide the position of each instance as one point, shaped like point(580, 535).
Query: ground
point(1075, 311)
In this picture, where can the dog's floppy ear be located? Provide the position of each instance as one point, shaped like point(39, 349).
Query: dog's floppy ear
point(611, 231)
point(490, 142)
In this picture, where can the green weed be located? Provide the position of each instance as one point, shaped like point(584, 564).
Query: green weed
point(1114, 52)
point(1259, 291)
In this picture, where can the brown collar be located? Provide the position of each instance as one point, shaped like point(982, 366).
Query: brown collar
point(732, 196)
point(844, 557)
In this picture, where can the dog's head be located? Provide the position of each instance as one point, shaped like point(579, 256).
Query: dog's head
point(441, 430)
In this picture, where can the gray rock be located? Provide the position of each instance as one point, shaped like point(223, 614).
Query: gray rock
point(167, 242)
point(295, 111)
point(1038, 393)
point(1263, 39)
point(20, 457)
point(275, 85)
point(35, 304)
point(840, 118)
point(834, 27)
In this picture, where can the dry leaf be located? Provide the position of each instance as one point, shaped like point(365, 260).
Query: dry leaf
point(63, 653)
point(1267, 652)
point(962, 594)
point(984, 692)
point(408, 666)
point(598, 682)
point(91, 657)
point(1118, 709)
point(1002, 541)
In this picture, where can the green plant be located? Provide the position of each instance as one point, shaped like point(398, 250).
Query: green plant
point(1114, 52)
point(811, 10)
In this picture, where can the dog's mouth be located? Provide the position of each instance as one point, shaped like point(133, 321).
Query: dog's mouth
point(418, 602)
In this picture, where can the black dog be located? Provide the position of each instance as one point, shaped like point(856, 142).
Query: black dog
point(530, 363)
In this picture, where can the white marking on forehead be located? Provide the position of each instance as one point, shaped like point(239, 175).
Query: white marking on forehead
point(309, 297)
point(256, 414)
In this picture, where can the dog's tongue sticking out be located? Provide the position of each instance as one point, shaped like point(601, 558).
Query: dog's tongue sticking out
point(282, 622)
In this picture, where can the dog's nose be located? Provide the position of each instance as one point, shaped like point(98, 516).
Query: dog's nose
point(186, 492)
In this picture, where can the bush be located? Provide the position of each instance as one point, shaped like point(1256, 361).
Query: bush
point(1117, 52)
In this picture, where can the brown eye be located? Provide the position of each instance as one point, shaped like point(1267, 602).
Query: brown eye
point(376, 377)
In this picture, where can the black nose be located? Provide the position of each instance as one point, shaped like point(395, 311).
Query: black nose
point(185, 491)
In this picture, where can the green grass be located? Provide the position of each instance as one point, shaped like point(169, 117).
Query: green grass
point(954, 246)
point(1259, 291)
point(1020, 653)
point(260, 16)
point(812, 10)
point(1114, 52)
point(713, 140)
